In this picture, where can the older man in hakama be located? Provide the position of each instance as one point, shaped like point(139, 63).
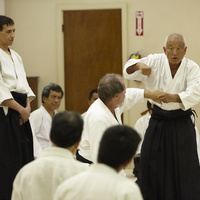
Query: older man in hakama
point(169, 159)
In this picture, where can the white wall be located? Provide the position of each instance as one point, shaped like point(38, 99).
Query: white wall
point(2, 7)
point(38, 34)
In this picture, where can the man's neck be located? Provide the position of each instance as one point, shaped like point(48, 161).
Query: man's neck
point(110, 106)
point(72, 148)
point(5, 48)
point(174, 69)
point(51, 112)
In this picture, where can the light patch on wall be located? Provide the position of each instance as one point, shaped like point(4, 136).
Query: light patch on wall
point(2, 7)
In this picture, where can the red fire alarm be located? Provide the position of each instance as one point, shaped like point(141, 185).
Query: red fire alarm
point(139, 23)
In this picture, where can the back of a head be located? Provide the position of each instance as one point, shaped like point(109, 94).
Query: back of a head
point(118, 145)
point(66, 129)
point(5, 21)
point(51, 86)
point(109, 86)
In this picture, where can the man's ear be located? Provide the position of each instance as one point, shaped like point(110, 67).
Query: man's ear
point(185, 49)
point(76, 145)
point(89, 102)
point(164, 49)
point(43, 99)
point(116, 96)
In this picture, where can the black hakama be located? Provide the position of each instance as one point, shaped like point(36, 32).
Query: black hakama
point(169, 168)
point(16, 146)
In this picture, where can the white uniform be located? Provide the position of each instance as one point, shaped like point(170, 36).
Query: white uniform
point(40, 178)
point(15, 139)
point(186, 82)
point(83, 114)
point(99, 182)
point(12, 77)
point(40, 121)
point(98, 118)
point(141, 126)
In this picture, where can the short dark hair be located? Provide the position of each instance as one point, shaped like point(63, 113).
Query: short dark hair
point(5, 21)
point(91, 93)
point(51, 86)
point(118, 145)
point(109, 86)
point(66, 129)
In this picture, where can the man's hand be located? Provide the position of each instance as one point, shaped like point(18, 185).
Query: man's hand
point(153, 94)
point(168, 98)
point(145, 70)
point(24, 115)
point(24, 112)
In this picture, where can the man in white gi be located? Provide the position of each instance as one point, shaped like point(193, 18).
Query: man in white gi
point(102, 181)
point(106, 111)
point(169, 167)
point(39, 179)
point(16, 143)
point(41, 118)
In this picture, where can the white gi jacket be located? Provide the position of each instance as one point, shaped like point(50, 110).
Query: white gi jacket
point(98, 118)
point(39, 179)
point(141, 126)
point(12, 77)
point(186, 82)
point(98, 183)
point(40, 121)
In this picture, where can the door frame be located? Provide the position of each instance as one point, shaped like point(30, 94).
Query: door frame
point(60, 39)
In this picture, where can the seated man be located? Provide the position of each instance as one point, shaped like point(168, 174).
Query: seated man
point(102, 181)
point(41, 118)
point(39, 179)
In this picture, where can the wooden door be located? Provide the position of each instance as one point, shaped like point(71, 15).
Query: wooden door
point(92, 48)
